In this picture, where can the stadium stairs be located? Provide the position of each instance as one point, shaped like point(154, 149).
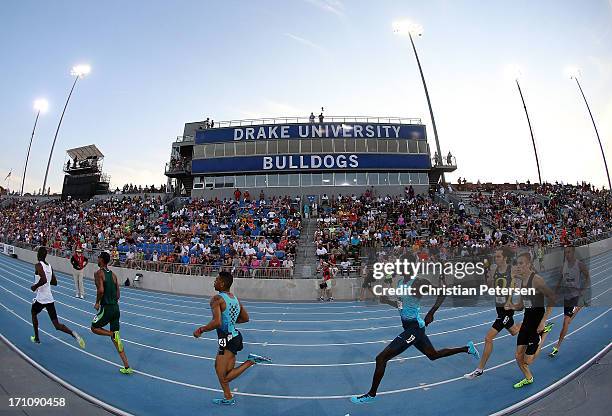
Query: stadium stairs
point(305, 261)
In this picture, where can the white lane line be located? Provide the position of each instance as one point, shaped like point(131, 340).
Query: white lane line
point(400, 359)
point(394, 317)
point(203, 305)
point(64, 383)
point(282, 330)
point(602, 261)
point(271, 396)
point(242, 329)
point(603, 258)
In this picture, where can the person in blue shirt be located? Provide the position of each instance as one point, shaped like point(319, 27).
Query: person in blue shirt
point(227, 311)
point(409, 307)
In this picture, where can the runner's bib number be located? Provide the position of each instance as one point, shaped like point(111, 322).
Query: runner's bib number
point(223, 341)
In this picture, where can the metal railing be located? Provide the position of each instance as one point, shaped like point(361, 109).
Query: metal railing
point(177, 168)
point(444, 161)
point(327, 119)
point(166, 267)
point(182, 139)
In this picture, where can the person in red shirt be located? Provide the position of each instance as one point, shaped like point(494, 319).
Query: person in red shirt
point(78, 261)
point(237, 194)
point(325, 285)
point(274, 262)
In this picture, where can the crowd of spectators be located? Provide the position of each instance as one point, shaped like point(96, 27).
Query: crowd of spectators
point(133, 189)
point(179, 163)
point(552, 214)
point(250, 237)
point(258, 237)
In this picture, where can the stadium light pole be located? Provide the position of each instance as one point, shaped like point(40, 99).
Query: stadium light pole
point(516, 74)
point(404, 27)
point(40, 106)
point(78, 71)
point(573, 73)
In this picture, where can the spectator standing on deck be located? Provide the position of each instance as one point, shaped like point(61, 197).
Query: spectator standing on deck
point(78, 261)
point(312, 117)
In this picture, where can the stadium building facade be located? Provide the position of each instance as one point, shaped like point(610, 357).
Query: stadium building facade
point(296, 156)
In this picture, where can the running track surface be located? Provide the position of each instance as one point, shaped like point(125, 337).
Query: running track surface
point(323, 353)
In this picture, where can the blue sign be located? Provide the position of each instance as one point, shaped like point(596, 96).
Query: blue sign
point(312, 131)
point(302, 163)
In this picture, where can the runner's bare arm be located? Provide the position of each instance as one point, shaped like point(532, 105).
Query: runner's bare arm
point(430, 315)
point(43, 279)
point(386, 300)
point(117, 285)
point(53, 281)
point(215, 307)
point(540, 284)
point(99, 279)
point(244, 315)
point(587, 277)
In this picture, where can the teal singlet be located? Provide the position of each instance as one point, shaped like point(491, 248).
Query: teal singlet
point(410, 306)
point(229, 316)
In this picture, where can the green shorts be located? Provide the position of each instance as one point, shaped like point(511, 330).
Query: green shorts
point(108, 314)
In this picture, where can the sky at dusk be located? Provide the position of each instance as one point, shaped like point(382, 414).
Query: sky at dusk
point(157, 65)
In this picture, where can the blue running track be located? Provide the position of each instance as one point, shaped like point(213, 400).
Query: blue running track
point(323, 353)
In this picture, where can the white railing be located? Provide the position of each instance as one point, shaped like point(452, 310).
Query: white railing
point(327, 119)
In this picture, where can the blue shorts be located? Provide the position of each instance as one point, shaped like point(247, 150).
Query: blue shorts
point(413, 335)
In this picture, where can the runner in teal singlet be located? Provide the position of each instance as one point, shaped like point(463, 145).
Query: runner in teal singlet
point(227, 311)
point(409, 306)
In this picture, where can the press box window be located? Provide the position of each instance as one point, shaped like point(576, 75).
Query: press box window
point(250, 148)
point(327, 146)
point(261, 148)
point(240, 149)
point(273, 147)
point(294, 147)
point(219, 150)
point(305, 146)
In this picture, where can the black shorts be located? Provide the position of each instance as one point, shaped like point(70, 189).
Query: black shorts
point(323, 285)
point(569, 305)
point(366, 284)
point(229, 343)
point(413, 335)
point(528, 334)
point(108, 314)
point(505, 319)
point(50, 307)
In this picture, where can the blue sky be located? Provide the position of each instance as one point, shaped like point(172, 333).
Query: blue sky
point(158, 64)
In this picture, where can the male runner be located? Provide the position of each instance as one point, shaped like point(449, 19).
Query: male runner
point(227, 311)
point(499, 276)
point(44, 298)
point(107, 305)
point(414, 334)
point(574, 281)
point(533, 330)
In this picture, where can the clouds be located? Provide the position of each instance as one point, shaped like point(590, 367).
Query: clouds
point(307, 43)
point(331, 6)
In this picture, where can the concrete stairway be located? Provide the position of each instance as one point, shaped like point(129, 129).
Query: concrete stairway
point(305, 262)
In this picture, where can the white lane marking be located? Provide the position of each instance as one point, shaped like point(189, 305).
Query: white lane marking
point(401, 359)
point(271, 396)
point(280, 330)
point(90, 290)
point(242, 329)
point(603, 258)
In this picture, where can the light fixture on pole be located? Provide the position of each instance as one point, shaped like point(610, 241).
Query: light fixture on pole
point(40, 106)
point(574, 73)
point(78, 71)
point(515, 72)
point(405, 27)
